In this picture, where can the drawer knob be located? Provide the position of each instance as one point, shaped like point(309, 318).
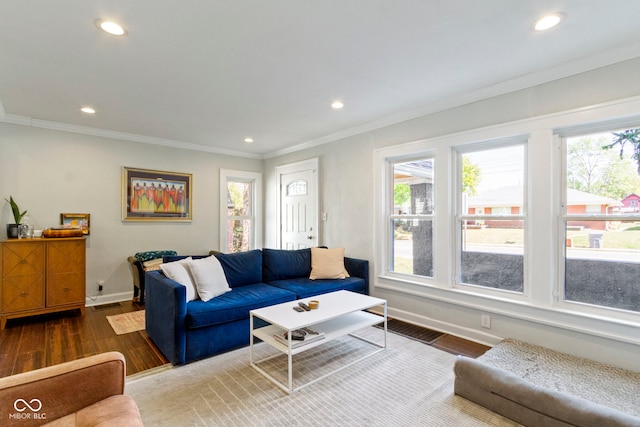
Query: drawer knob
point(23, 294)
point(23, 261)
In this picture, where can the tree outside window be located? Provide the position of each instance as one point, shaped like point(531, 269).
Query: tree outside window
point(602, 223)
point(240, 210)
point(239, 216)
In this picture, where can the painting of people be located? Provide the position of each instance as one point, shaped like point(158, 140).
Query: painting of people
point(156, 195)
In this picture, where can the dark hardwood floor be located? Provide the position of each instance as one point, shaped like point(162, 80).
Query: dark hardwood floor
point(460, 346)
point(35, 342)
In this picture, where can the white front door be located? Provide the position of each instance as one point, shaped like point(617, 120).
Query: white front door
point(298, 195)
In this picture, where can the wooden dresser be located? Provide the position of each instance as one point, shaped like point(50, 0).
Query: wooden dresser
point(40, 276)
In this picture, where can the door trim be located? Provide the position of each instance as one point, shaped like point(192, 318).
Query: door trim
point(310, 164)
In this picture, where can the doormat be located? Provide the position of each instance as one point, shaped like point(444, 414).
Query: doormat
point(415, 332)
point(127, 322)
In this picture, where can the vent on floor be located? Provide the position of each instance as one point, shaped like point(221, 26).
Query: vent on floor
point(418, 333)
point(106, 306)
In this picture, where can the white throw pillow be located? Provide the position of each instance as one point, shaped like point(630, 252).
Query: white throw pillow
point(177, 271)
point(208, 276)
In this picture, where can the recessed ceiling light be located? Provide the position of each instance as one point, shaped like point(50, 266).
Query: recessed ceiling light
point(111, 27)
point(248, 140)
point(337, 105)
point(88, 110)
point(548, 21)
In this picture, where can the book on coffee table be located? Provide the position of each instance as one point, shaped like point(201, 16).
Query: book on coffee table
point(299, 337)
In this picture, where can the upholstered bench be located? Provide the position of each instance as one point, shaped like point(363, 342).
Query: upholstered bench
point(141, 263)
point(530, 404)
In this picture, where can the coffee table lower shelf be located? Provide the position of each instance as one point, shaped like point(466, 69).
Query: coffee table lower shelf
point(338, 327)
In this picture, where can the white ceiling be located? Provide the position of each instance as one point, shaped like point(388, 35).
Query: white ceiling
point(205, 74)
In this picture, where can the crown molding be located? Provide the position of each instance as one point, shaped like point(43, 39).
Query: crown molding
point(86, 130)
point(568, 69)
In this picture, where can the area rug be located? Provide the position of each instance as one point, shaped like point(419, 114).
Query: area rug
point(594, 381)
point(127, 322)
point(407, 384)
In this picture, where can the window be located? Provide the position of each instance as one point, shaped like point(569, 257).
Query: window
point(601, 227)
point(240, 210)
point(491, 220)
point(410, 217)
point(526, 220)
point(297, 188)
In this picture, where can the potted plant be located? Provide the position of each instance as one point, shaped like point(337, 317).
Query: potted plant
point(13, 230)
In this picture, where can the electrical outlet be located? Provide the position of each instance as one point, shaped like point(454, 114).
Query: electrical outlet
point(99, 288)
point(100, 284)
point(485, 321)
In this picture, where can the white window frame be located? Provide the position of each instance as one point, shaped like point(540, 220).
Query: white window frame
point(544, 183)
point(256, 217)
point(561, 137)
point(392, 215)
point(385, 212)
point(460, 215)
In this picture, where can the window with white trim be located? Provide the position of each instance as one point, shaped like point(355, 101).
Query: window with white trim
point(410, 216)
point(240, 210)
point(600, 227)
point(491, 214)
point(565, 271)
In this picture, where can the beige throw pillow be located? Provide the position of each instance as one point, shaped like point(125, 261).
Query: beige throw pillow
point(327, 264)
point(152, 265)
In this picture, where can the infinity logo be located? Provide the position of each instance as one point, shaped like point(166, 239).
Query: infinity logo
point(37, 405)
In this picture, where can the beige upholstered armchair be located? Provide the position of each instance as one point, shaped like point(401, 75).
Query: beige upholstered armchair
point(83, 392)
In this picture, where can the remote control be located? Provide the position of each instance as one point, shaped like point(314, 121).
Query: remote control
point(304, 306)
point(298, 309)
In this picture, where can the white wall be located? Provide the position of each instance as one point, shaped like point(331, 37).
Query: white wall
point(49, 172)
point(347, 194)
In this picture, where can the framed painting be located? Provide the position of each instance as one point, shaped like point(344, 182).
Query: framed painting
point(151, 195)
point(76, 220)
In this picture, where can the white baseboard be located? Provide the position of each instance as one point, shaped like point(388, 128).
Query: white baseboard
point(108, 298)
point(437, 325)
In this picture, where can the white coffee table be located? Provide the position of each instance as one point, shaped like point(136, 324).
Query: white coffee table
point(340, 313)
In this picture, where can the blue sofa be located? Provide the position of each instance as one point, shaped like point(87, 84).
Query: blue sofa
point(187, 331)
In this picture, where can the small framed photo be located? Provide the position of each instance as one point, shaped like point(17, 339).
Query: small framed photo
point(76, 220)
point(151, 195)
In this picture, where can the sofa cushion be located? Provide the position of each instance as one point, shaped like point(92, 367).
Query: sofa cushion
point(327, 264)
point(279, 264)
point(235, 305)
point(304, 287)
point(209, 277)
point(242, 268)
point(178, 272)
